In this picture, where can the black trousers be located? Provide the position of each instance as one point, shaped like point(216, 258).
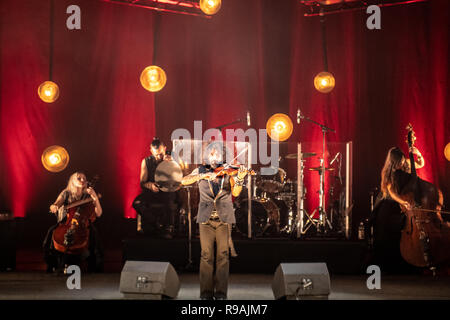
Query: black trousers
point(158, 210)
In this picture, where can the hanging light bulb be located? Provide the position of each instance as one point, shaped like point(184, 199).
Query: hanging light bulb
point(210, 7)
point(324, 82)
point(48, 91)
point(55, 158)
point(279, 127)
point(447, 151)
point(153, 78)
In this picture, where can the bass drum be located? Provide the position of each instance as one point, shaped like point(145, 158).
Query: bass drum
point(265, 217)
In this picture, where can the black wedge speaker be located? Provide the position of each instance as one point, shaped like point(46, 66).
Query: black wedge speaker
point(149, 280)
point(301, 281)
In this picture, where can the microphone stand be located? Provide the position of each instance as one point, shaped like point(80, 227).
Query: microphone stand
point(229, 124)
point(189, 266)
point(322, 213)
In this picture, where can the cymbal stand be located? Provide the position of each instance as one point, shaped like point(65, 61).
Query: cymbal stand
point(289, 201)
point(300, 225)
point(323, 219)
point(323, 222)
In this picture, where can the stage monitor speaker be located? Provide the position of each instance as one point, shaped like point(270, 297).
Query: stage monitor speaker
point(301, 281)
point(149, 280)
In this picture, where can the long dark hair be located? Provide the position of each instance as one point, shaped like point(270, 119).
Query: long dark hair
point(395, 160)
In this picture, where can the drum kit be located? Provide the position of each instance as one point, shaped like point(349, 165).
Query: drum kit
point(276, 207)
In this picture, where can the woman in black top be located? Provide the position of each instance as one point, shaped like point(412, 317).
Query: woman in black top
point(387, 217)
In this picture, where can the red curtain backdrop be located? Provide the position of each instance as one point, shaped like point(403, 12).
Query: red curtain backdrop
point(25, 121)
point(253, 55)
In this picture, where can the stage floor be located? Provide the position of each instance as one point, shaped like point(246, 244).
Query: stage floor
point(41, 286)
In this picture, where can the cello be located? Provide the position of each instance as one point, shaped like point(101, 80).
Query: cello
point(71, 236)
point(425, 237)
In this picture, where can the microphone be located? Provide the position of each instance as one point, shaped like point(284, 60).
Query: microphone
point(298, 116)
point(248, 119)
point(335, 157)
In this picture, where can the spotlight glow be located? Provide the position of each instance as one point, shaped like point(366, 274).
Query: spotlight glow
point(48, 91)
point(447, 151)
point(153, 78)
point(55, 158)
point(279, 127)
point(210, 7)
point(324, 82)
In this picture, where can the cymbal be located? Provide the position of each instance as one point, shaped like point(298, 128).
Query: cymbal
point(304, 155)
point(320, 168)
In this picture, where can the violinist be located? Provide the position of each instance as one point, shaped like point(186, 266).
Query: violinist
point(215, 217)
point(77, 189)
point(387, 217)
point(156, 208)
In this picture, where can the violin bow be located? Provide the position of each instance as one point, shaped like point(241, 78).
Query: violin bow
point(431, 210)
point(228, 165)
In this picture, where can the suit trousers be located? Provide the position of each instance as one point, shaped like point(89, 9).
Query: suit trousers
point(214, 285)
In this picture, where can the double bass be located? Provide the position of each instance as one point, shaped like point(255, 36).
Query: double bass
point(71, 236)
point(425, 237)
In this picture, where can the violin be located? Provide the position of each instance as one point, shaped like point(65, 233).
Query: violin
point(231, 171)
point(425, 237)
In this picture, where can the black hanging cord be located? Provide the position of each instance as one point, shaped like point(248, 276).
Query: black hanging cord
point(156, 35)
point(324, 42)
point(52, 10)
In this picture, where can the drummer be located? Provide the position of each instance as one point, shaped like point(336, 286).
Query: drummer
point(156, 208)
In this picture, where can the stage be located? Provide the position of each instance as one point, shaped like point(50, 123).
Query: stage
point(130, 116)
point(259, 255)
point(41, 286)
point(251, 273)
